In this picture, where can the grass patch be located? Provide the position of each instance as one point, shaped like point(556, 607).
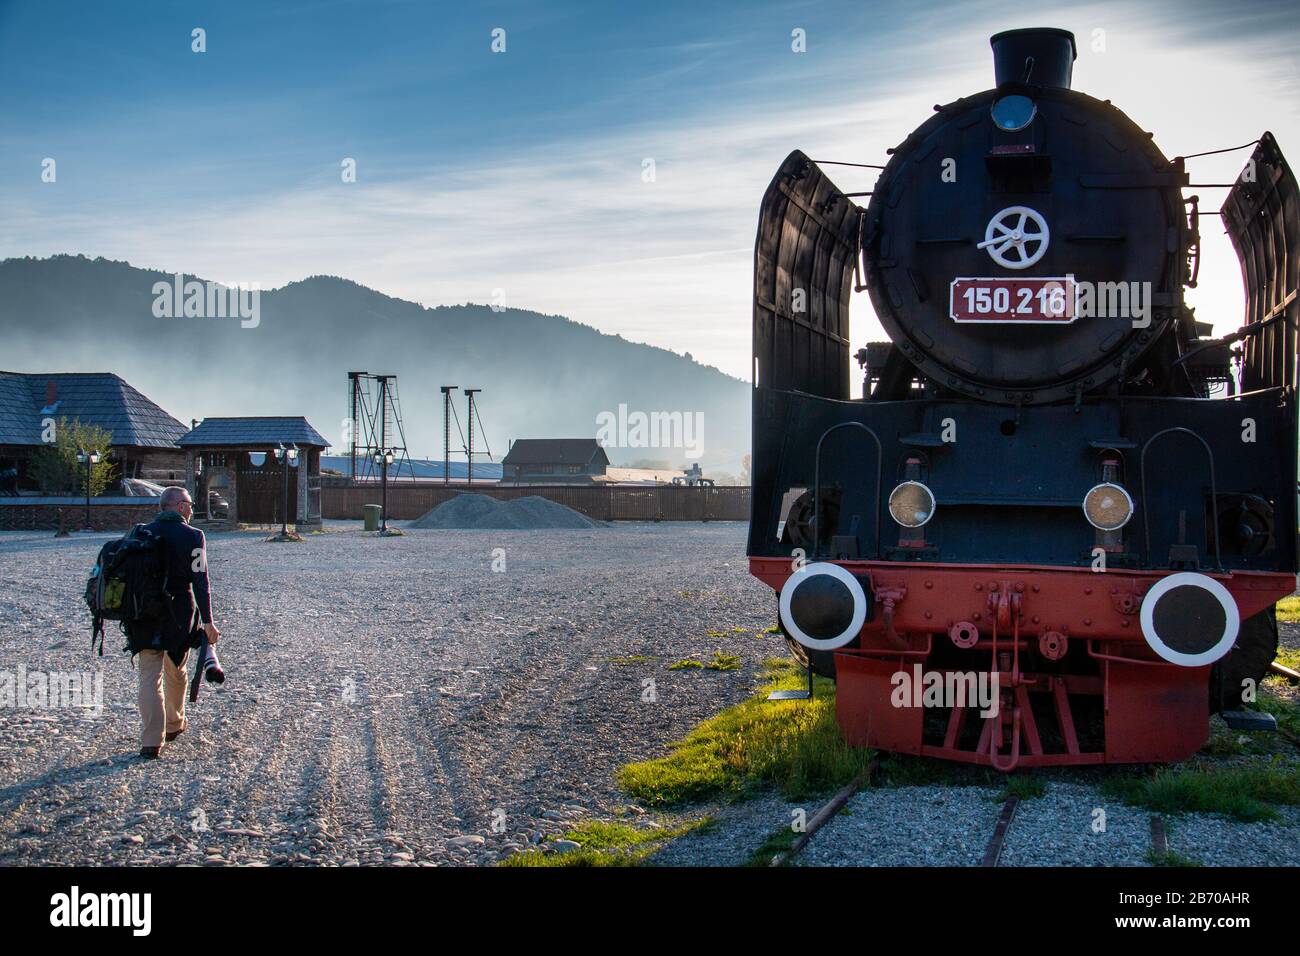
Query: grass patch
point(607, 843)
point(1288, 610)
point(1286, 712)
point(1243, 793)
point(1024, 786)
point(1288, 657)
point(905, 770)
point(689, 664)
point(794, 746)
point(634, 659)
point(778, 842)
point(723, 662)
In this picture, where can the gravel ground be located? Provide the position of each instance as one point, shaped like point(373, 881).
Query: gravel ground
point(951, 826)
point(1057, 829)
point(907, 826)
point(388, 700)
point(1216, 841)
point(736, 832)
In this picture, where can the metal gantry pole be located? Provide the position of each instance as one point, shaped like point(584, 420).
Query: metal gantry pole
point(469, 452)
point(284, 514)
point(446, 433)
point(354, 384)
point(383, 507)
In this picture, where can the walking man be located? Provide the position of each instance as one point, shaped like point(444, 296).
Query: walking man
point(163, 645)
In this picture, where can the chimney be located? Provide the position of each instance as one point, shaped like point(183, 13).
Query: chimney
point(51, 393)
point(1038, 56)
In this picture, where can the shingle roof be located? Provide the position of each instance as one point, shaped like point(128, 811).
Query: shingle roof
point(553, 451)
point(254, 431)
point(92, 398)
point(19, 423)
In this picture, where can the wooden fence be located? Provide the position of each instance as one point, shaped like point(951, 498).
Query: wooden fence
point(605, 503)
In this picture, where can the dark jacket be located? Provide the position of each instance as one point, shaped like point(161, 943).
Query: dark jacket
point(187, 587)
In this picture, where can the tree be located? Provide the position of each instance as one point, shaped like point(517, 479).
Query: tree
point(746, 470)
point(55, 468)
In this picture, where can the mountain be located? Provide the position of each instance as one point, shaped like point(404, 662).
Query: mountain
point(543, 376)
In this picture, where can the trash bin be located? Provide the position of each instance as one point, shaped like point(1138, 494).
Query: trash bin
point(373, 514)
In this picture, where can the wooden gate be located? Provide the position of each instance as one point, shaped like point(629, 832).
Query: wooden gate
point(261, 491)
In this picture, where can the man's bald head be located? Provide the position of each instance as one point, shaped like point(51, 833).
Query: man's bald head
point(173, 498)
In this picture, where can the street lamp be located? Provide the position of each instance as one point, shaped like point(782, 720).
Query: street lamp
point(384, 458)
point(89, 459)
point(289, 458)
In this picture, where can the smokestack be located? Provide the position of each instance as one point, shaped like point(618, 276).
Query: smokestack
point(1038, 56)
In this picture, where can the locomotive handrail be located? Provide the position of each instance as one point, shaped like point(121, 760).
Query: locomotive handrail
point(1214, 493)
point(817, 481)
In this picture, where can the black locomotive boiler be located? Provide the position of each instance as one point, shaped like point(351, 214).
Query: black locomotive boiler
point(1055, 486)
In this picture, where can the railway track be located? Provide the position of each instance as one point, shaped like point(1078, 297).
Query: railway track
point(993, 852)
point(1142, 837)
point(826, 813)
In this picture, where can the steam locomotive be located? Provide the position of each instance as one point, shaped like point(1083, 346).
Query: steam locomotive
point(1055, 484)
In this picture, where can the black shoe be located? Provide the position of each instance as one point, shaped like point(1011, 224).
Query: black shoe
point(150, 753)
point(171, 737)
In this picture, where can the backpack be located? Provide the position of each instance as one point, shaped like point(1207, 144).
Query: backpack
point(128, 583)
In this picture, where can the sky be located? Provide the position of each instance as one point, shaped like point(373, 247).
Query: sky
point(518, 177)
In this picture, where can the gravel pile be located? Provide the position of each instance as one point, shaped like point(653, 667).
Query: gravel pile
point(484, 513)
point(388, 700)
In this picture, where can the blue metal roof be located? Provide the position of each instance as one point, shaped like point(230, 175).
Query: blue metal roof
point(92, 398)
point(421, 468)
point(268, 432)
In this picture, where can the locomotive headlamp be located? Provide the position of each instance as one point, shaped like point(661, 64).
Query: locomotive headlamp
point(1107, 506)
point(1014, 112)
point(911, 504)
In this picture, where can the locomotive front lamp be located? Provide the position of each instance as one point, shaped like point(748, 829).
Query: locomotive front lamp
point(1014, 112)
point(911, 504)
point(1108, 506)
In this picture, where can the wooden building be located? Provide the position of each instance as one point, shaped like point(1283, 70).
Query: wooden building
point(235, 457)
point(144, 441)
point(554, 461)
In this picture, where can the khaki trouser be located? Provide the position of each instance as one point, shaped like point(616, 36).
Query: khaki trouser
point(161, 697)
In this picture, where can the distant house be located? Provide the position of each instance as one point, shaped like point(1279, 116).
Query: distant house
point(234, 458)
point(144, 436)
point(554, 461)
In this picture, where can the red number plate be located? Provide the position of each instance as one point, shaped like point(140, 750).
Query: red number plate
point(1049, 300)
